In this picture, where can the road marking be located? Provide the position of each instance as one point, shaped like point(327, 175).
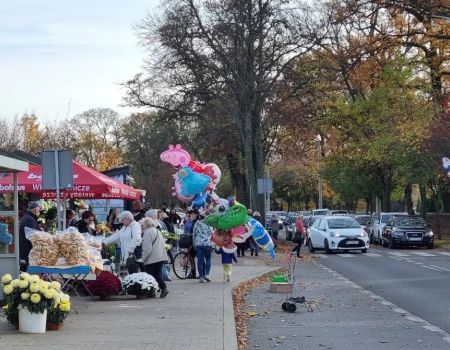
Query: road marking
point(393, 257)
point(444, 253)
point(442, 268)
point(399, 310)
point(374, 255)
point(422, 254)
point(324, 256)
point(430, 268)
point(432, 328)
point(398, 254)
point(346, 255)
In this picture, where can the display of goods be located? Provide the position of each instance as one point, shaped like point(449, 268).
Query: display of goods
point(73, 247)
point(45, 250)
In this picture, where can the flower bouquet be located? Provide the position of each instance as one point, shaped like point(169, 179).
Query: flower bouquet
point(105, 285)
point(27, 301)
point(140, 284)
point(59, 312)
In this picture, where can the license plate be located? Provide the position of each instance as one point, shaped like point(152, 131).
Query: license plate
point(415, 238)
point(352, 242)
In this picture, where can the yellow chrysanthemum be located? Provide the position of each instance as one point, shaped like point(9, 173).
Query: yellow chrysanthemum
point(55, 285)
point(25, 296)
point(35, 279)
point(64, 307)
point(34, 288)
point(42, 289)
point(25, 276)
point(65, 298)
point(49, 293)
point(6, 279)
point(5, 307)
point(7, 289)
point(14, 283)
point(35, 298)
point(56, 299)
point(23, 284)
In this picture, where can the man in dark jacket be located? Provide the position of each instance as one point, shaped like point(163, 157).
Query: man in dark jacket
point(30, 220)
point(138, 210)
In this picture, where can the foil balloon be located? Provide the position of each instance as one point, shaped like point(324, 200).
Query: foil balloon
point(240, 234)
point(224, 240)
point(192, 183)
point(213, 171)
point(261, 236)
point(176, 156)
point(199, 200)
point(177, 192)
point(233, 217)
point(196, 166)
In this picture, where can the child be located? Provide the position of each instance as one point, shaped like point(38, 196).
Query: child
point(227, 260)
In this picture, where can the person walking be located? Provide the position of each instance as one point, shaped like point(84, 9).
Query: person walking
point(227, 261)
point(154, 253)
point(201, 236)
point(30, 220)
point(275, 226)
point(299, 237)
point(253, 246)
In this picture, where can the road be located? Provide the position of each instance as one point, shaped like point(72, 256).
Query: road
point(415, 280)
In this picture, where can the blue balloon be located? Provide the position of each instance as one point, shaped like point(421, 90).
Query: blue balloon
point(199, 200)
point(192, 183)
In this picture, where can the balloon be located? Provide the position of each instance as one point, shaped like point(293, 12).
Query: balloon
point(213, 171)
point(223, 239)
point(177, 188)
point(261, 236)
point(176, 156)
point(240, 234)
point(192, 182)
point(196, 166)
point(233, 217)
point(199, 200)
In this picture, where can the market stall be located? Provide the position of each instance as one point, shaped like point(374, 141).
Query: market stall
point(9, 212)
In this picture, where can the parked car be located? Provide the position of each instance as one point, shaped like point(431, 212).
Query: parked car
point(320, 212)
point(333, 233)
point(364, 221)
point(338, 212)
point(377, 223)
point(407, 230)
point(309, 222)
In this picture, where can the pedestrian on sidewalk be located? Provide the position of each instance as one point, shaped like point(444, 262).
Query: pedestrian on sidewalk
point(154, 253)
point(299, 236)
point(253, 246)
point(201, 236)
point(227, 261)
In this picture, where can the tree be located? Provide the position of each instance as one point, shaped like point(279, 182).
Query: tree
point(236, 51)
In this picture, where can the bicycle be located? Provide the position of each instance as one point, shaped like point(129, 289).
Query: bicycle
point(183, 264)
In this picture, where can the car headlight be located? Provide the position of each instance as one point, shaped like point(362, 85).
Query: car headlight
point(364, 234)
point(332, 234)
point(429, 234)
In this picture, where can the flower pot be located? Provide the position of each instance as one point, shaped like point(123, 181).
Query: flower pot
point(53, 326)
point(141, 296)
point(32, 323)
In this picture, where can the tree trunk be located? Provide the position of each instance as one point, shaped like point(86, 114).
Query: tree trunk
point(408, 199)
point(423, 201)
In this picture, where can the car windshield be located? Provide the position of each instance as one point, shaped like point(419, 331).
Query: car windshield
point(343, 223)
point(386, 218)
point(410, 222)
point(363, 220)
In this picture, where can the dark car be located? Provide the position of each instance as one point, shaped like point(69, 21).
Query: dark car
point(407, 230)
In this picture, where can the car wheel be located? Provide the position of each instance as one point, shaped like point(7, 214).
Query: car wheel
point(364, 250)
point(430, 246)
point(327, 246)
point(391, 244)
point(310, 246)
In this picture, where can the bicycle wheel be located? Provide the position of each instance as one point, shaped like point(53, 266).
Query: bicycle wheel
point(182, 265)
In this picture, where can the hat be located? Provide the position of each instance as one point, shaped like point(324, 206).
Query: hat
point(34, 205)
point(256, 213)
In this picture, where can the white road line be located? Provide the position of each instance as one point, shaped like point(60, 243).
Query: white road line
point(430, 268)
point(324, 256)
point(444, 253)
point(393, 257)
point(346, 255)
point(442, 268)
point(374, 255)
point(432, 328)
point(398, 254)
point(422, 254)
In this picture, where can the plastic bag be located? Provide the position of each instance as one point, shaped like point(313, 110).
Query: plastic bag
point(45, 250)
point(73, 247)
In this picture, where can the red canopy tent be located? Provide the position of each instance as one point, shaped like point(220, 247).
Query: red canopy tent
point(88, 184)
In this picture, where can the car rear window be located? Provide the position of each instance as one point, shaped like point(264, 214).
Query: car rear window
point(385, 218)
point(343, 223)
point(363, 220)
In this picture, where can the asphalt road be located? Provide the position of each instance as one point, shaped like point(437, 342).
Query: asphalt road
point(415, 280)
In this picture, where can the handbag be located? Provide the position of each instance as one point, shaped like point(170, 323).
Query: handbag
point(138, 250)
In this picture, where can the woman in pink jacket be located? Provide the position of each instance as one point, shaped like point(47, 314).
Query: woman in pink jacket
point(299, 237)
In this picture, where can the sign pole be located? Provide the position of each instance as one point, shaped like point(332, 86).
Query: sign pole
point(58, 199)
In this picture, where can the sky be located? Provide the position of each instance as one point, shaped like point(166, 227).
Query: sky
point(61, 58)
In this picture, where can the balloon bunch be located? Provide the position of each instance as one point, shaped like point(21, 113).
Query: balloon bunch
point(233, 225)
point(194, 182)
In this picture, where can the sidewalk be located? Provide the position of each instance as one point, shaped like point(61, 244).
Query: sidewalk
point(193, 316)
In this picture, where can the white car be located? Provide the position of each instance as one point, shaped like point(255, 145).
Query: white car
point(333, 233)
point(376, 226)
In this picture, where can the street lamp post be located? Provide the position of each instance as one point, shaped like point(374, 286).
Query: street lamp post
point(319, 157)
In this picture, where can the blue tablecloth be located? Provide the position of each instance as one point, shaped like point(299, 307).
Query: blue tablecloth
point(74, 270)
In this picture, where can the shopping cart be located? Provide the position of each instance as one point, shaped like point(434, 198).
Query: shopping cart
point(289, 305)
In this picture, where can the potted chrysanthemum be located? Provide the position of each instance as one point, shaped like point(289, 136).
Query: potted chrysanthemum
point(140, 284)
point(59, 312)
point(27, 300)
point(106, 285)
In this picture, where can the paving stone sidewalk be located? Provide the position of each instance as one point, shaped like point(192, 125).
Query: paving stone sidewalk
point(344, 317)
point(193, 316)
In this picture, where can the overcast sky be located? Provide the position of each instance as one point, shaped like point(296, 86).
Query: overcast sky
point(60, 58)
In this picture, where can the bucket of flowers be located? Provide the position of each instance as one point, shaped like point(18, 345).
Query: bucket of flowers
point(140, 284)
point(28, 299)
point(105, 286)
point(59, 312)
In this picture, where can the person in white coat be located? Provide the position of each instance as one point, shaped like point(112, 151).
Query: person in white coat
point(154, 253)
point(129, 237)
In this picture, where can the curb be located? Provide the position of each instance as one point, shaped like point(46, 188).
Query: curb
point(229, 325)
